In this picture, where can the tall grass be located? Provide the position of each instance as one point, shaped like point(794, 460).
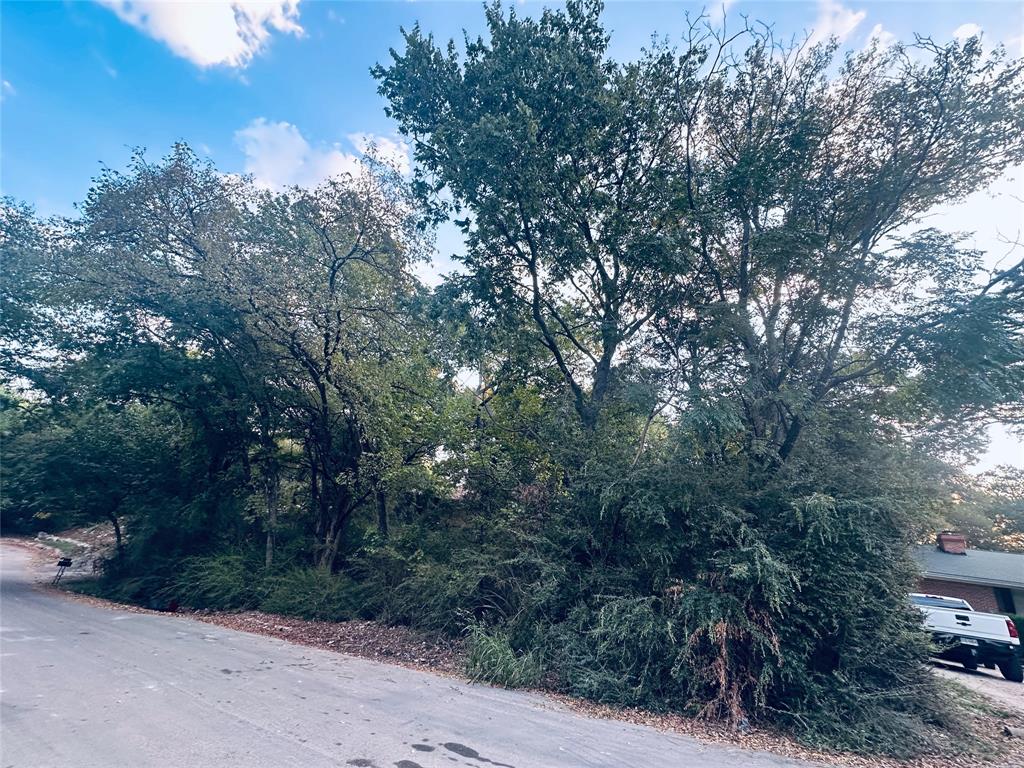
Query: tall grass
point(491, 659)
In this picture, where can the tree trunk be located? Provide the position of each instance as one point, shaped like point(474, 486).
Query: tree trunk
point(330, 550)
point(335, 530)
point(792, 434)
point(382, 513)
point(117, 536)
point(271, 491)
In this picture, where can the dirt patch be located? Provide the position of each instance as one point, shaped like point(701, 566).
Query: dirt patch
point(365, 639)
point(1002, 692)
point(98, 538)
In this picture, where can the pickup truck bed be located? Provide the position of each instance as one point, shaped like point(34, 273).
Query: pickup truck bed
point(970, 637)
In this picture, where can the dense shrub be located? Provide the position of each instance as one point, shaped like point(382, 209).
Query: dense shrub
point(493, 572)
point(311, 593)
point(491, 659)
point(225, 581)
point(144, 590)
point(620, 653)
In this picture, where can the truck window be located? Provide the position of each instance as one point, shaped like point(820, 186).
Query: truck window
point(940, 602)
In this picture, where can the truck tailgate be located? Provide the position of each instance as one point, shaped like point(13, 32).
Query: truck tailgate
point(987, 626)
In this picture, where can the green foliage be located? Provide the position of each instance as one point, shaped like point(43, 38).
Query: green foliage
point(311, 593)
point(592, 238)
point(719, 372)
point(620, 653)
point(218, 582)
point(491, 659)
point(987, 508)
point(490, 581)
point(147, 590)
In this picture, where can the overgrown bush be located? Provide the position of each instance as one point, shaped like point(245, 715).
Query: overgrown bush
point(144, 590)
point(619, 653)
point(311, 593)
point(497, 575)
point(491, 659)
point(219, 582)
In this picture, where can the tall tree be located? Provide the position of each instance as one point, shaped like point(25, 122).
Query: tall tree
point(730, 209)
point(810, 284)
point(297, 304)
point(565, 164)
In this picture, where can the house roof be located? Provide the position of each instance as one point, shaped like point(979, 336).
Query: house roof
point(998, 569)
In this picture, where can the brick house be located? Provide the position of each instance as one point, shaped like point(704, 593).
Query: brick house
point(990, 581)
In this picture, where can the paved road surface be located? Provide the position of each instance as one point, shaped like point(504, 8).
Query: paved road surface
point(89, 687)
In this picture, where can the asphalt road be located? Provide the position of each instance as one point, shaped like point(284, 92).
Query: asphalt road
point(84, 686)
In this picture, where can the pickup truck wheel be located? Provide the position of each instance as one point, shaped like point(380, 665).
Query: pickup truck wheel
point(1012, 670)
point(971, 665)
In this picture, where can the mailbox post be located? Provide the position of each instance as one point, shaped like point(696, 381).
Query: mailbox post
point(62, 565)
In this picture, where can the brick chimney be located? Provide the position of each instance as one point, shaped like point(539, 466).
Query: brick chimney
point(951, 543)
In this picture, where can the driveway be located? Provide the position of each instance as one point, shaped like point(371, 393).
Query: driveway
point(91, 687)
point(990, 683)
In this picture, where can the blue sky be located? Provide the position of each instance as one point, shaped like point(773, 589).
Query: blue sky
point(281, 88)
point(82, 83)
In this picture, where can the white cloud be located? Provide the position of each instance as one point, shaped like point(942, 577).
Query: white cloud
point(393, 152)
point(884, 37)
point(965, 31)
point(7, 90)
point(213, 32)
point(718, 9)
point(278, 155)
point(834, 20)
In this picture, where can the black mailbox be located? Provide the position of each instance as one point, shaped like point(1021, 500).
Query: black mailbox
point(62, 565)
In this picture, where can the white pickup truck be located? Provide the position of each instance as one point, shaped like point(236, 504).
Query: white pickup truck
point(963, 635)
